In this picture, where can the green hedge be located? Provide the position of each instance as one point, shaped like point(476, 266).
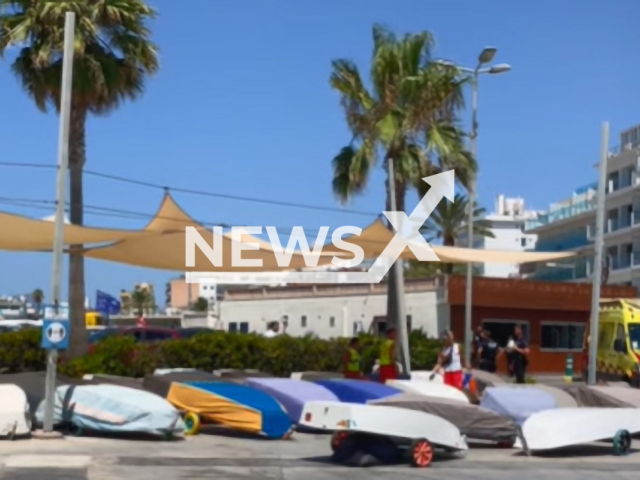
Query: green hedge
point(120, 355)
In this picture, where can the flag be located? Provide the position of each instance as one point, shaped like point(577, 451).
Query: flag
point(107, 304)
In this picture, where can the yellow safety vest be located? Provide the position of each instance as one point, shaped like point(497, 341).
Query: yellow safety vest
point(354, 361)
point(386, 353)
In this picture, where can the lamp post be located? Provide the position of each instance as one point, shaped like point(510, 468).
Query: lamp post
point(485, 57)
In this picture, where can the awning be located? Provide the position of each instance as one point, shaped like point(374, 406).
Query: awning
point(27, 234)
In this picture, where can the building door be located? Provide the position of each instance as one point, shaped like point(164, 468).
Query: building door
point(502, 330)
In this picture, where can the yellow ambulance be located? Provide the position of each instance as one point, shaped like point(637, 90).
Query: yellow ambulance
point(618, 341)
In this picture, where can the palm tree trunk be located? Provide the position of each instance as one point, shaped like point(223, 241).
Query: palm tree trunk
point(448, 241)
point(77, 157)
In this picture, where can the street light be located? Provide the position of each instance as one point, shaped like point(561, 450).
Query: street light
point(485, 57)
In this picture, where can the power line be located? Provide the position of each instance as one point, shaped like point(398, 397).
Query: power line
point(225, 196)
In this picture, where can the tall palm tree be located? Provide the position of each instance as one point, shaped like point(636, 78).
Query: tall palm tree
point(448, 222)
point(113, 57)
point(408, 114)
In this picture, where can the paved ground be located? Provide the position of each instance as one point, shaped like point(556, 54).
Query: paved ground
point(303, 458)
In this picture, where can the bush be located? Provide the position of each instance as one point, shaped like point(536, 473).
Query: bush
point(280, 356)
point(21, 352)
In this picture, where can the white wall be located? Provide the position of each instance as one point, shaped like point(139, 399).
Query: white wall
point(346, 310)
point(508, 236)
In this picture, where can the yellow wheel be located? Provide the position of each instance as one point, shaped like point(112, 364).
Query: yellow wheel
point(191, 423)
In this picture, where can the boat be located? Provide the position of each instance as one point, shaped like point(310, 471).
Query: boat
point(473, 421)
point(161, 384)
point(431, 389)
point(517, 403)
point(407, 433)
point(112, 409)
point(15, 419)
point(552, 429)
point(563, 399)
point(313, 376)
point(100, 379)
point(292, 394)
point(233, 374)
point(237, 407)
point(604, 396)
point(358, 391)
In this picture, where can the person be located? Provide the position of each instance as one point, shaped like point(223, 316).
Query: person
point(451, 360)
point(387, 365)
point(273, 330)
point(351, 360)
point(478, 340)
point(519, 355)
point(488, 353)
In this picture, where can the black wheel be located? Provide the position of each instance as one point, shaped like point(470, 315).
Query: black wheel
point(346, 449)
point(75, 430)
point(622, 442)
point(421, 453)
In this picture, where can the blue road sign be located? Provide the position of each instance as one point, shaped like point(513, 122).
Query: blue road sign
point(55, 328)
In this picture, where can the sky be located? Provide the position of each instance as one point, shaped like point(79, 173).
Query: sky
point(242, 106)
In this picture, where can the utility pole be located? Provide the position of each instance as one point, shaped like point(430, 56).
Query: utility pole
point(597, 265)
point(398, 267)
point(58, 243)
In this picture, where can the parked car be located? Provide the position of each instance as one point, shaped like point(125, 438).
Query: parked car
point(192, 331)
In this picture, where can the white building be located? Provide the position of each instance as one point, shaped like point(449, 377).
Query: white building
point(507, 223)
point(331, 310)
point(570, 225)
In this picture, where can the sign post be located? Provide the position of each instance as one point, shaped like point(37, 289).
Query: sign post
point(55, 328)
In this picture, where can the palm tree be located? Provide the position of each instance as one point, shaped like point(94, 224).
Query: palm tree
point(37, 296)
point(139, 299)
point(201, 305)
point(448, 222)
point(113, 57)
point(409, 114)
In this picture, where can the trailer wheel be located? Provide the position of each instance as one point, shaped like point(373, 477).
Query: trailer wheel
point(191, 423)
point(622, 442)
point(337, 439)
point(421, 452)
point(346, 449)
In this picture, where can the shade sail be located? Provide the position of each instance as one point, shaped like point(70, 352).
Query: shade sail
point(375, 238)
point(27, 234)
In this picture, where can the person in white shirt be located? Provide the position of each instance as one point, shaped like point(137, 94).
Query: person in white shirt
point(273, 330)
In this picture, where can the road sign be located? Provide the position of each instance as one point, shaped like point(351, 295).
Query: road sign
point(55, 328)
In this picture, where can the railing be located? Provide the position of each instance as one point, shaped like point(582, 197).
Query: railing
point(562, 213)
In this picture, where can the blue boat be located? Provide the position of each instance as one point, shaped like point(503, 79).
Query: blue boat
point(358, 391)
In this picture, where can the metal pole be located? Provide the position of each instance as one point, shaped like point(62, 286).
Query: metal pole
point(58, 242)
point(597, 265)
point(401, 325)
point(472, 198)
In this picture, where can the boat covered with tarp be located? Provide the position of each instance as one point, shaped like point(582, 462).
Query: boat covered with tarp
point(563, 399)
point(161, 384)
point(238, 407)
point(472, 421)
point(100, 379)
point(604, 396)
point(517, 403)
point(15, 419)
point(233, 374)
point(432, 389)
point(113, 409)
point(292, 394)
point(313, 376)
point(358, 391)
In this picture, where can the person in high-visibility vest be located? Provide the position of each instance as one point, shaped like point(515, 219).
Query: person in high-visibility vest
point(352, 366)
point(387, 360)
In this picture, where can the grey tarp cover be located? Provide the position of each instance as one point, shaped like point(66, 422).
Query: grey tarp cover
point(231, 374)
point(472, 421)
point(313, 376)
point(33, 385)
point(485, 379)
point(100, 379)
point(608, 397)
point(160, 384)
point(563, 399)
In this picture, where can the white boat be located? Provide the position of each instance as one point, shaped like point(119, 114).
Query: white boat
point(15, 418)
point(551, 429)
point(431, 389)
point(419, 431)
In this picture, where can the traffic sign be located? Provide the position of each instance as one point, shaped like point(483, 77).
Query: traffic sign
point(55, 328)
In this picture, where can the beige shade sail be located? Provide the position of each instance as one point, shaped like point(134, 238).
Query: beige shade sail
point(165, 247)
point(377, 236)
point(26, 234)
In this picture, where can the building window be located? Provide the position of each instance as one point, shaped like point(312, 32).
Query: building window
point(409, 323)
point(523, 242)
point(244, 327)
point(204, 287)
point(561, 336)
point(233, 327)
point(303, 321)
point(332, 322)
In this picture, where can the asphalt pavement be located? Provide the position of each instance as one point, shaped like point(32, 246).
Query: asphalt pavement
point(305, 457)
